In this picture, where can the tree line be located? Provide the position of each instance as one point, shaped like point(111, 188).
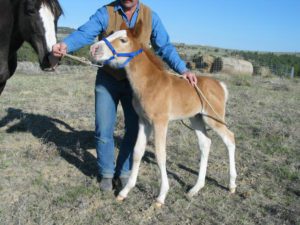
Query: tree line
point(275, 60)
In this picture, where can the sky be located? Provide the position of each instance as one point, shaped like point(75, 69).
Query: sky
point(254, 25)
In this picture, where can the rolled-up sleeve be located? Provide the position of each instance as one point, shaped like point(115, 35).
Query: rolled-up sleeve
point(161, 43)
point(86, 34)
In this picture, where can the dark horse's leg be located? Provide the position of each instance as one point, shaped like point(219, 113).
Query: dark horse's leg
point(4, 71)
point(4, 68)
point(12, 65)
point(2, 85)
point(6, 24)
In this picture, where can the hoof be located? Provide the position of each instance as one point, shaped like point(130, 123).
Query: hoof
point(120, 198)
point(193, 191)
point(191, 194)
point(232, 190)
point(158, 205)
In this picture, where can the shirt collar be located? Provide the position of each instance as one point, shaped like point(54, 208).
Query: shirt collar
point(118, 6)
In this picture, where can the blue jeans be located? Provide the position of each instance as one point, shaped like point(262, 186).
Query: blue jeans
point(108, 93)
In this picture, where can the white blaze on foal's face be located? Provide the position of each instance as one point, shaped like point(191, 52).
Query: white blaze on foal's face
point(49, 25)
point(103, 52)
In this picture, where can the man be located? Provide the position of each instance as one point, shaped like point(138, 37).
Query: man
point(112, 86)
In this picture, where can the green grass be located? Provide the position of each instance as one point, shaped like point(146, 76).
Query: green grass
point(284, 172)
point(5, 164)
point(72, 194)
point(272, 145)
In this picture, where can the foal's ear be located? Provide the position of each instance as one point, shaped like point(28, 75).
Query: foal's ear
point(137, 30)
point(123, 26)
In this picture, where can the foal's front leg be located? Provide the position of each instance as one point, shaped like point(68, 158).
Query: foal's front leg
point(139, 150)
point(160, 134)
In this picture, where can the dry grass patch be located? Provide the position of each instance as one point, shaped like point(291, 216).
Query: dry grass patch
point(48, 167)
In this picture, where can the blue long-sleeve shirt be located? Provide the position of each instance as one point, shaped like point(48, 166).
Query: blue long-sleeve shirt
point(98, 23)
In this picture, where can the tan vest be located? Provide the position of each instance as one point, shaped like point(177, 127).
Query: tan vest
point(114, 24)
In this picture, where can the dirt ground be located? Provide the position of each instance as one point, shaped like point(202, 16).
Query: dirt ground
point(48, 165)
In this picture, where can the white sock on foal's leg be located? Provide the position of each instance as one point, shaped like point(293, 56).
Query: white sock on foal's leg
point(232, 170)
point(204, 145)
point(139, 150)
point(160, 132)
point(229, 140)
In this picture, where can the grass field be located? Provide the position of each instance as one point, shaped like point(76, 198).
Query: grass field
point(48, 169)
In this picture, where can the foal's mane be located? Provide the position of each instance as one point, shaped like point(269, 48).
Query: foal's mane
point(134, 33)
point(54, 7)
point(154, 58)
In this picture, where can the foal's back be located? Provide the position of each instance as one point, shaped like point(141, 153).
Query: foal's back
point(186, 101)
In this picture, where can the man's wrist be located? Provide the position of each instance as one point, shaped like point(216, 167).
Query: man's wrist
point(185, 72)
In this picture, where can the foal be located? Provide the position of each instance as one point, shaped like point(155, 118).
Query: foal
point(159, 97)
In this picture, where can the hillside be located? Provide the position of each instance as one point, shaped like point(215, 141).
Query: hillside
point(62, 32)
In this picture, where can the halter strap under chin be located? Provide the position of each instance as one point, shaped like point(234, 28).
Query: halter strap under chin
point(129, 55)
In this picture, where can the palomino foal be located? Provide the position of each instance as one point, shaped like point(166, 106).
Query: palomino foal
point(159, 97)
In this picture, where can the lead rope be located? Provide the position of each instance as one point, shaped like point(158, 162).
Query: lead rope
point(83, 60)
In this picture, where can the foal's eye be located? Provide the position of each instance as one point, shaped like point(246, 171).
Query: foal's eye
point(123, 40)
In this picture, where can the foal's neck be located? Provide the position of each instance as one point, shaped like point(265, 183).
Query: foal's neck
point(143, 73)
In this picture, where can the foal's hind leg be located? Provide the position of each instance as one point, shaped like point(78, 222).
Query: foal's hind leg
point(204, 145)
point(229, 140)
point(139, 150)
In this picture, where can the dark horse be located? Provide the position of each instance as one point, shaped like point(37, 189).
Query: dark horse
point(33, 21)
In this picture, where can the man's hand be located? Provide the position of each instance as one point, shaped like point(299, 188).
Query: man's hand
point(94, 52)
point(59, 49)
point(93, 49)
point(191, 77)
